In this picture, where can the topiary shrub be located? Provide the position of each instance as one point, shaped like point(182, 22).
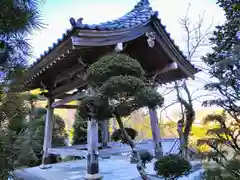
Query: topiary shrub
point(117, 135)
point(172, 167)
point(145, 156)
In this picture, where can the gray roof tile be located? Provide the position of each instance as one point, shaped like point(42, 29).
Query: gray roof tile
point(141, 13)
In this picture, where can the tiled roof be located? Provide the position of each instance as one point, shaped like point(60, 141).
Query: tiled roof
point(141, 13)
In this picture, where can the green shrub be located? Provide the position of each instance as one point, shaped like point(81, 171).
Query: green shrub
point(117, 135)
point(145, 156)
point(172, 167)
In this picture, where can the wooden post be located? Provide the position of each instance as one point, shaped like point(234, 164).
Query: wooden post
point(114, 124)
point(47, 135)
point(92, 158)
point(92, 144)
point(156, 133)
point(105, 133)
point(69, 130)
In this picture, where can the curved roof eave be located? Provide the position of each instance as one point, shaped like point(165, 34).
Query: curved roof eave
point(139, 15)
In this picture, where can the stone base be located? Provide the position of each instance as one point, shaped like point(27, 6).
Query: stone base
point(105, 157)
point(133, 161)
point(158, 154)
point(45, 166)
point(93, 177)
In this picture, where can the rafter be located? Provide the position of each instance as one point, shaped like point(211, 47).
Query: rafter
point(68, 74)
point(67, 107)
point(79, 82)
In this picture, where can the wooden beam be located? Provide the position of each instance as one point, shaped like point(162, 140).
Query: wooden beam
point(171, 51)
point(67, 100)
point(79, 82)
point(67, 106)
point(63, 96)
point(88, 38)
point(174, 57)
point(167, 68)
point(69, 73)
point(46, 59)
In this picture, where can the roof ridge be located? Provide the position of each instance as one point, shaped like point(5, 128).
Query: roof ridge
point(141, 8)
point(141, 3)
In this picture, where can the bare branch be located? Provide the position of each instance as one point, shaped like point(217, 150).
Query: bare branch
point(169, 105)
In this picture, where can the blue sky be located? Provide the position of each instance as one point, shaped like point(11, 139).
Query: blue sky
point(56, 14)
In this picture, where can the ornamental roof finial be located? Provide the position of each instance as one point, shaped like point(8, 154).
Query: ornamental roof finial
point(75, 23)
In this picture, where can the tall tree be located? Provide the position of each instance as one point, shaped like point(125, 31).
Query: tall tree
point(195, 39)
point(17, 19)
point(224, 63)
point(224, 147)
point(119, 88)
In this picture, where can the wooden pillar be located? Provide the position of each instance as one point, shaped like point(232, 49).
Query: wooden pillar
point(69, 130)
point(156, 133)
point(114, 124)
point(105, 133)
point(92, 158)
point(47, 134)
point(92, 144)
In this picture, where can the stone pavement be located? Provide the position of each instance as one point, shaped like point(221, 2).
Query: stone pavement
point(115, 168)
point(117, 148)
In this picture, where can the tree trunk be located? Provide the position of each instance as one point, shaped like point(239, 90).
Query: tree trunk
point(140, 166)
point(190, 115)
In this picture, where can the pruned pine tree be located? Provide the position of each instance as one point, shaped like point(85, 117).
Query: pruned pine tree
point(17, 20)
point(224, 63)
point(224, 147)
point(120, 88)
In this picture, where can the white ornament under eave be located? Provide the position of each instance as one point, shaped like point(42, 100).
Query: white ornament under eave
point(151, 36)
point(119, 47)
